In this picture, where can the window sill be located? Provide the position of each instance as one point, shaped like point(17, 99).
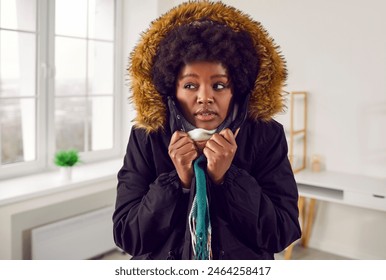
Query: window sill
point(20, 189)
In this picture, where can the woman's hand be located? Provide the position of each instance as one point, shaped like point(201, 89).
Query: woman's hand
point(182, 151)
point(220, 151)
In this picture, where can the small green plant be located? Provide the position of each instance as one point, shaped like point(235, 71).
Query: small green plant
point(67, 158)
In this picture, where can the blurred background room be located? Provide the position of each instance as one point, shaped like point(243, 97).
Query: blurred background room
point(64, 88)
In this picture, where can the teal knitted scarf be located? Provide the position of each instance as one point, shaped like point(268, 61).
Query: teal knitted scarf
point(200, 227)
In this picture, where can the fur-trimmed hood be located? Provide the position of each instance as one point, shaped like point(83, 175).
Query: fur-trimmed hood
point(266, 98)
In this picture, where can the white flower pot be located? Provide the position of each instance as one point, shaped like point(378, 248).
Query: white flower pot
point(66, 173)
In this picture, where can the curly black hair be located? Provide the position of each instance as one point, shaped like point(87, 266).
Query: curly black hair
point(206, 41)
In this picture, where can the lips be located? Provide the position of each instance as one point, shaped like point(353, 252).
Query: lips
point(205, 115)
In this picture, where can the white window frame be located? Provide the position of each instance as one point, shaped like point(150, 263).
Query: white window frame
point(18, 169)
point(45, 99)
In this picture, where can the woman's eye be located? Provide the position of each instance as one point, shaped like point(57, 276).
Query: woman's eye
point(190, 86)
point(219, 86)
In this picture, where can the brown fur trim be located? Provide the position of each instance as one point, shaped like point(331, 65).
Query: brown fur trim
point(266, 99)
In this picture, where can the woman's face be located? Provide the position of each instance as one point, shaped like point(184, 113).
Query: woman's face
point(204, 93)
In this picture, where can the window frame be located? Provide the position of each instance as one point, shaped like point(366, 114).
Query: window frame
point(45, 99)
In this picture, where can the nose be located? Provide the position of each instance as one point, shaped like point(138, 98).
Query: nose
point(205, 95)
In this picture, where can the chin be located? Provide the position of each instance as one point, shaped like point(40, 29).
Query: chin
point(207, 126)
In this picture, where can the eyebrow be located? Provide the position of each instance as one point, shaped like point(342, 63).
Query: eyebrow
point(196, 76)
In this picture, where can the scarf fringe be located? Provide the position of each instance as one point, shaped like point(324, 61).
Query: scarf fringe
point(202, 249)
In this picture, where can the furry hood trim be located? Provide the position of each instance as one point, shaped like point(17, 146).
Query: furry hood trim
point(266, 98)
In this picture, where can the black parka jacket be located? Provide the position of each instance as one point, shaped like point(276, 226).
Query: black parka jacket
point(254, 212)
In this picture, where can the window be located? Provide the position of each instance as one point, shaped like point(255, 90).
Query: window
point(58, 77)
point(83, 92)
point(18, 96)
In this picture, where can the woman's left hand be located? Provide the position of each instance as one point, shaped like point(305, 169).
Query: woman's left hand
point(220, 151)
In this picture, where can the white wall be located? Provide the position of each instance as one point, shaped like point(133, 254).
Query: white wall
point(335, 50)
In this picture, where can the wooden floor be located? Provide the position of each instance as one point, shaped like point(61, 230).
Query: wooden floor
point(298, 253)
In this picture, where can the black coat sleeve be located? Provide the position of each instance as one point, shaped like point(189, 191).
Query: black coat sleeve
point(147, 205)
point(261, 205)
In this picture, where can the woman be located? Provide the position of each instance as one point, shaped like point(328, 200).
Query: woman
point(206, 173)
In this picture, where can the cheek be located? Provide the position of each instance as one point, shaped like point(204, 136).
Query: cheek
point(185, 104)
point(184, 100)
point(225, 105)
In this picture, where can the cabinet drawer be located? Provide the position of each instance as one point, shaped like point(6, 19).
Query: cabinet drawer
point(367, 200)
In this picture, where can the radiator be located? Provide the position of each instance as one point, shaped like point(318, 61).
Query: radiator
point(81, 237)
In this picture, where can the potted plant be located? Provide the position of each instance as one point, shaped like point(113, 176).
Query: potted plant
point(66, 160)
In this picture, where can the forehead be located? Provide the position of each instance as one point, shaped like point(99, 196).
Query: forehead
point(203, 69)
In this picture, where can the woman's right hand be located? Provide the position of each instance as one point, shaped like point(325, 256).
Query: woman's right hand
point(183, 151)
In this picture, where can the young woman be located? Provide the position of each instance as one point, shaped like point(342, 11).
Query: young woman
point(206, 173)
